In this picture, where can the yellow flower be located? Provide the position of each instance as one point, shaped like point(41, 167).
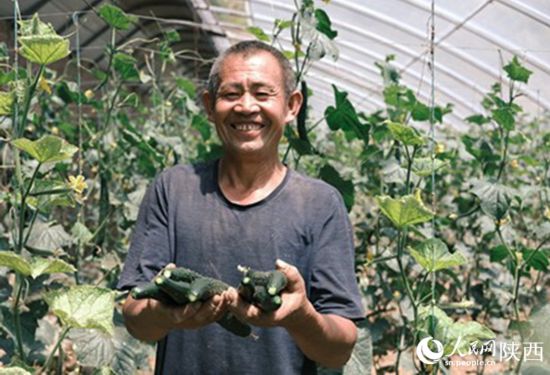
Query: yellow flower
point(44, 86)
point(439, 148)
point(89, 94)
point(55, 130)
point(547, 213)
point(77, 184)
point(453, 216)
point(514, 164)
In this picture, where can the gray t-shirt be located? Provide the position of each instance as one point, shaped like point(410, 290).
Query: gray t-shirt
point(185, 219)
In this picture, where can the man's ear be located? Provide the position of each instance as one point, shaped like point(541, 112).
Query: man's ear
point(294, 103)
point(208, 104)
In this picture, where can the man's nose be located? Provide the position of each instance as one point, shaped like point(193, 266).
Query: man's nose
point(247, 104)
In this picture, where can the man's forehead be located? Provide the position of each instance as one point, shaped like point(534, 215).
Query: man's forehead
point(257, 61)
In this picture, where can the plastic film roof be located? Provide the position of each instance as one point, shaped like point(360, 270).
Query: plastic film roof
point(473, 40)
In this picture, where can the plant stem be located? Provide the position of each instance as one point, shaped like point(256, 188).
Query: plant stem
point(57, 344)
point(28, 99)
point(16, 318)
point(22, 210)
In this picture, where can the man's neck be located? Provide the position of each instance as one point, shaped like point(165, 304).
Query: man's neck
point(247, 181)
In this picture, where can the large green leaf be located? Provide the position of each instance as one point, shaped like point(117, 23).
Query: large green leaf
point(35, 266)
point(116, 17)
point(345, 187)
point(81, 233)
point(423, 167)
point(516, 71)
point(121, 352)
point(48, 149)
point(433, 255)
point(15, 262)
point(6, 103)
point(405, 134)
point(40, 43)
point(42, 266)
point(494, 198)
point(455, 336)
point(404, 211)
point(84, 306)
point(48, 237)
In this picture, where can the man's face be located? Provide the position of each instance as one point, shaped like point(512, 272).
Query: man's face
point(250, 108)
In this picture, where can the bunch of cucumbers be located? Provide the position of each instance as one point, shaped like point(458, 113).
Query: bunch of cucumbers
point(179, 286)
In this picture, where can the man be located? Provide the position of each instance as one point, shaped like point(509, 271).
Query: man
point(247, 209)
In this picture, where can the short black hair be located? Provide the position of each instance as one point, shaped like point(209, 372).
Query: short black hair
point(247, 48)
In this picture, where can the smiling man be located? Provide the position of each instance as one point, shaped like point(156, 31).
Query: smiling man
point(247, 208)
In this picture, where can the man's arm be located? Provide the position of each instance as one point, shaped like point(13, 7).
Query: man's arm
point(150, 320)
point(327, 339)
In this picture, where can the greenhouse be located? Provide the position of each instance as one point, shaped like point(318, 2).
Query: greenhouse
point(341, 186)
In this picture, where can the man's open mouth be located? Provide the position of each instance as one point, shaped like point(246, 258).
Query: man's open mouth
point(247, 126)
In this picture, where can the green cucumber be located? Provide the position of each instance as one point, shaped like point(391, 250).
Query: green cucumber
point(177, 290)
point(264, 300)
point(151, 290)
point(205, 288)
point(276, 283)
point(234, 325)
point(181, 274)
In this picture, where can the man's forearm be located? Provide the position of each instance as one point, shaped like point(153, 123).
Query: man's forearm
point(141, 320)
point(327, 339)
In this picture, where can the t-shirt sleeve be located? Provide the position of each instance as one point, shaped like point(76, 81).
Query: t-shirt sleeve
point(333, 286)
point(150, 247)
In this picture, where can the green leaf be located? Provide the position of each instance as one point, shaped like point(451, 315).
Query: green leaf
point(125, 65)
point(344, 116)
point(453, 335)
point(405, 134)
point(48, 149)
point(258, 33)
point(81, 233)
point(420, 112)
point(498, 253)
point(516, 71)
point(201, 124)
point(187, 86)
point(478, 119)
point(494, 199)
point(423, 166)
point(539, 261)
point(504, 117)
point(433, 255)
point(14, 371)
point(41, 266)
point(6, 103)
point(323, 24)
point(283, 24)
point(48, 237)
point(404, 211)
point(345, 187)
point(39, 43)
point(116, 17)
point(15, 262)
point(84, 306)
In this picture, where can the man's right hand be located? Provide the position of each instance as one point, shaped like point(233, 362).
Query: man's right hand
point(151, 320)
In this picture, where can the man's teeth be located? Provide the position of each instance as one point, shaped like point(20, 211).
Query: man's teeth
point(246, 127)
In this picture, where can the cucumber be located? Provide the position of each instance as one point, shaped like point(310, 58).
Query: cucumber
point(205, 288)
point(177, 290)
point(276, 282)
point(234, 325)
point(152, 290)
point(181, 274)
point(264, 300)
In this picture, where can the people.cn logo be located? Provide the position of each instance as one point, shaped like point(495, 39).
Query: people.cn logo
point(427, 355)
